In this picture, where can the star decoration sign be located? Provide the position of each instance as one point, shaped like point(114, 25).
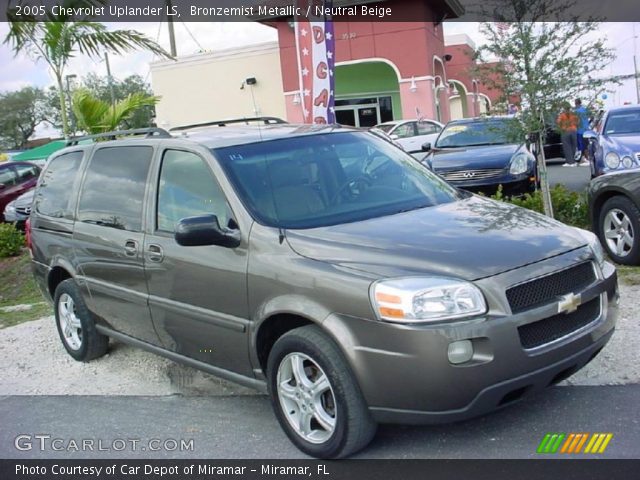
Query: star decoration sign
point(315, 46)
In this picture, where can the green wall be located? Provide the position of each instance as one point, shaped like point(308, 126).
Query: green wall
point(367, 79)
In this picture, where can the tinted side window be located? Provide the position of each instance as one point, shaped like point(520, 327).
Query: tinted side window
point(54, 191)
point(114, 186)
point(405, 131)
point(8, 177)
point(27, 172)
point(188, 188)
point(427, 128)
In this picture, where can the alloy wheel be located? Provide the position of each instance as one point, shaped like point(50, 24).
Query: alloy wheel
point(618, 232)
point(306, 397)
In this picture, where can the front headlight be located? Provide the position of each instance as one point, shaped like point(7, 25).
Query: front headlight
point(612, 160)
point(10, 208)
point(519, 164)
point(426, 299)
point(594, 245)
point(627, 162)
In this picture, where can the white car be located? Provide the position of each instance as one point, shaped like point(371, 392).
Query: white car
point(412, 134)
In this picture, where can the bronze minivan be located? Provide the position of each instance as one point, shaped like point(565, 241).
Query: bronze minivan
point(321, 264)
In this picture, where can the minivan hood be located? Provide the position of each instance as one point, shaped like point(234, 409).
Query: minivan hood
point(491, 156)
point(470, 239)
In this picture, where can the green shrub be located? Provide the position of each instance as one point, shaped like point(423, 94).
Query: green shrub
point(568, 207)
point(11, 240)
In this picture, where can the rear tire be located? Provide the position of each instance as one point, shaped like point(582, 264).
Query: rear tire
point(75, 324)
point(316, 397)
point(619, 230)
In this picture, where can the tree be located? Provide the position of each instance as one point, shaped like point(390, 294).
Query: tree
point(542, 60)
point(98, 86)
point(58, 40)
point(133, 84)
point(20, 113)
point(97, 116)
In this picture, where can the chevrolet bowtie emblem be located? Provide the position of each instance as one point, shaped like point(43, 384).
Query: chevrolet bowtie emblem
point(569, 303)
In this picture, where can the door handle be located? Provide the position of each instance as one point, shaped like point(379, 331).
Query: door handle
point(131, 248)
point(155, 253)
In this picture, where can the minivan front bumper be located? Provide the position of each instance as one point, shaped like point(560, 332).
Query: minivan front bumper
point(406, 376)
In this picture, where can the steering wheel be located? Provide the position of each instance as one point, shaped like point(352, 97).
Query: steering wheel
point(349, 186)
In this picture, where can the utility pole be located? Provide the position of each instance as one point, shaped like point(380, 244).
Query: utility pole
point(172, 33)
point(110, 79)
point(637, 75)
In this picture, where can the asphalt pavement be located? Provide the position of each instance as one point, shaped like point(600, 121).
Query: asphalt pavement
point(574, 178)
point(245, 427)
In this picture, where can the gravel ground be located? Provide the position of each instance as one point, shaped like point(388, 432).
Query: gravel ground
point(33, 362)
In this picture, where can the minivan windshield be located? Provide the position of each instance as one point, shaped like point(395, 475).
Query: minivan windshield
point(327, 179)
point(478, 133)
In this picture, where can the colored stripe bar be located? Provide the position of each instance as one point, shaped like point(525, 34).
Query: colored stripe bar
point(605, 443)
point(565, 447)
point(543, 443)
point(556, 445)
point(582, 441)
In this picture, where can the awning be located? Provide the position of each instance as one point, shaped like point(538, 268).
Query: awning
point(39, 153)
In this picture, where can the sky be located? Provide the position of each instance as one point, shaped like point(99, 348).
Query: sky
point(192, 37)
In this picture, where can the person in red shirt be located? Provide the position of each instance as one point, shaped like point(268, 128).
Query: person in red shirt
point(568, 124)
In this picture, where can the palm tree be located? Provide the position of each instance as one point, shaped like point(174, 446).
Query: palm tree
point(56, 42)
point(97, 116)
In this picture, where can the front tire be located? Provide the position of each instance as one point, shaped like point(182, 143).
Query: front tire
point(315, 395)
point(75, 324)
point(619, 230)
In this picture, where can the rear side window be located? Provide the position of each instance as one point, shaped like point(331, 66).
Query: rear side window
point(27, 172)
point(114, 187)
point(8, 177)
point(54, 192)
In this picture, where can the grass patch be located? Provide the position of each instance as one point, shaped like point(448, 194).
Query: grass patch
point(628, 275)
point(19, 288)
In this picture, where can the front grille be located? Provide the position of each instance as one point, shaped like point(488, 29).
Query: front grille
point(545, 331)
point(23, 210)
point(469, 175)
point(547, 289)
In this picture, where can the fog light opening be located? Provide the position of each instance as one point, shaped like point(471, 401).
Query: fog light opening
point(460, 352)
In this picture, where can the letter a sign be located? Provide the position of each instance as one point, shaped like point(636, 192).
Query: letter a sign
point(315, 45)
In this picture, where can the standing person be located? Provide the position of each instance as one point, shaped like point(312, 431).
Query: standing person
point(583, 126)
point(568, 124)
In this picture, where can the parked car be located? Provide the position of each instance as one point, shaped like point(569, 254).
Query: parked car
point(322, 265)
point(614, 204)
point(412, 134)
point(479, 154)
point(18, 210)
point(15, 179)
point(616, 146)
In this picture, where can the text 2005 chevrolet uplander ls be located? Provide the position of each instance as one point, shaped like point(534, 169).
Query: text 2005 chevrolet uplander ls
point(322, 264)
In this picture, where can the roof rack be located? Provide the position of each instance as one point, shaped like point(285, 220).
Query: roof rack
point(224, 123)
point(146, 132)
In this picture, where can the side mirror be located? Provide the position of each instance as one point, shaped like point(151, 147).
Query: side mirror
point(426, 147)
point(394, 136)
point(590, 135)
point(205, 230)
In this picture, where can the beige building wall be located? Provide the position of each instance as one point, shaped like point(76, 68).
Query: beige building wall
point(206, 87)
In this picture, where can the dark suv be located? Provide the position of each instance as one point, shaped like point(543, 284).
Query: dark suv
point(321, 264)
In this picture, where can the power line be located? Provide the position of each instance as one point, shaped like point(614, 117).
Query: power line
point(192, 37)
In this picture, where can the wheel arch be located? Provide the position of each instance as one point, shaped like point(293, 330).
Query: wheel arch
point(60, 270)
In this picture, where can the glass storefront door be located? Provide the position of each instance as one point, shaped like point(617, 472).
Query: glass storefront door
point(363, 112)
